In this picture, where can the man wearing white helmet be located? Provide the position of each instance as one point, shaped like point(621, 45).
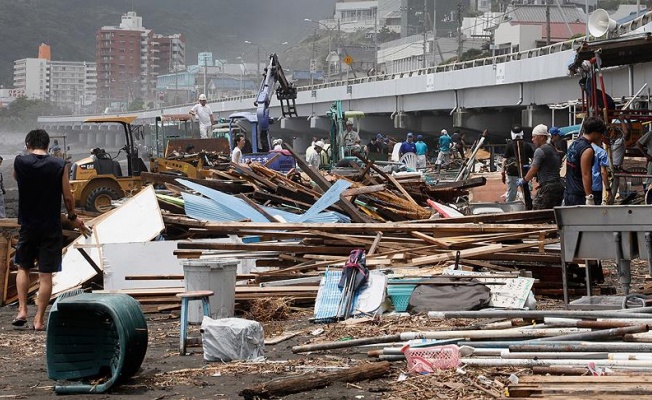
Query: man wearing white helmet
point(545, 167)
point(205, 116)
point(314, 159)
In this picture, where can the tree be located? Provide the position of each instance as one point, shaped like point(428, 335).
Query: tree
point(136, 105)
point(25, 112)
point(386, 35)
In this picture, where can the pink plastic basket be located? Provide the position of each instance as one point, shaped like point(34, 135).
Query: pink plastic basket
point(429, 359)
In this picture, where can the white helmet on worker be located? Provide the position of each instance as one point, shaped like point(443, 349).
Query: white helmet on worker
point(202, 97)
point(319, 144)
point(349, 122)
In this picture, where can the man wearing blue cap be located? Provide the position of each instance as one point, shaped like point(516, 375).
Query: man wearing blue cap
point(408, 146)
point(422, 151)
point(558, 142)
point(375, 146)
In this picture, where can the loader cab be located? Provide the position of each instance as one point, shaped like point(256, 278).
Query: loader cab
point(257, 147)
point(99, 179)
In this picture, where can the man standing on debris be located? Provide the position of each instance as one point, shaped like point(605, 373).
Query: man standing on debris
point(579, 162)
point(375, 147)
point(599, 173)
point(517, 155)
point(408, 146)
point(422, 152)
point(445, 145)
point(545, 166)
point(314, 160)
point(558, 142)
point(458, 143)
point(205, 116)
point(236, 154)
point(42, 179)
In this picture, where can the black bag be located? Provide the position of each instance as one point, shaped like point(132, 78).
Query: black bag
point(460, 295)
point(355, 266)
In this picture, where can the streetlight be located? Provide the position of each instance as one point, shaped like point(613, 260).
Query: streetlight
point(330, 39)
point(259, 46)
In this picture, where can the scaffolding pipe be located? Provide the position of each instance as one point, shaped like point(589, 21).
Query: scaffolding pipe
point(498, 362)
point(507, 355)
point(582, 347)
point(602, 334)
point(540, 314)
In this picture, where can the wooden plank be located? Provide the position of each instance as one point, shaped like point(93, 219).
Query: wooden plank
point(430, 239)
point(584, 379)
point(356, 191)
point(402, 190)
point(492, 248)
point(269, 246)
point(257, 207)
point(516, 217)
point(374, 245)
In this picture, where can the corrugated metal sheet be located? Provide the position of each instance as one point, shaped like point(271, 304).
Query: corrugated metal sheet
point(225, 201)
point(330, 197)
point(535, 13)
point(204, 209)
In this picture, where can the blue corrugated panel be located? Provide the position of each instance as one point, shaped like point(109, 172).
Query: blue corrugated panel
point(329, 295)
point(204, 209)
point(238, 206)
point(329, 198)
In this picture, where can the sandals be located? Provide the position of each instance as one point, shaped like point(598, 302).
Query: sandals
point(19, 322)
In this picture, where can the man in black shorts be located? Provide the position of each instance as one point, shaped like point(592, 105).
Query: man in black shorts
point(42, 179)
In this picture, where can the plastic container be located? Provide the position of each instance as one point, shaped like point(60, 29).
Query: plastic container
point(94, 338)
point(430, 359)
point(400, 293)
point(216, 275)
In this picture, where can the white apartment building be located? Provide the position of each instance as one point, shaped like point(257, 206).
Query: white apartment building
point(70, 84)
point(31, 75)
point(352, 16)
point(73, 84)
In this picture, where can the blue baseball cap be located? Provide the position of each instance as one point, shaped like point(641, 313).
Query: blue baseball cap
point(410, 134)
point(555, 131)
point(379, 136)
point(419, 137)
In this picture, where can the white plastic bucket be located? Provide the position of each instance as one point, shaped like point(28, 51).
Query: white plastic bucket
point(216, 275)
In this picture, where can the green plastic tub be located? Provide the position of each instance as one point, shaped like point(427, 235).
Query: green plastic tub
point(94, 341)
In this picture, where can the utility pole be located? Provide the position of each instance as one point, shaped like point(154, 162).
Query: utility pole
point(313, 64)
point(548, 22)
point(258, 60)
point(459, 32)
point(205, 66)
point(425, 37)
point(375, 43)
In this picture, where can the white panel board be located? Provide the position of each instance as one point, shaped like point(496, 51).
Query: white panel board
point(137, 220)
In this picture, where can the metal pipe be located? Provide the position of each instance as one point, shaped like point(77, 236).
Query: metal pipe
point(507, 355)
point(624, 270)
point(457, 104)
point(488, 362)
point(602, 334)
point(491, 334)
point(582, 347)
point(520, 91)
point(605, 324)
point(648, 247)
point(345, 344)
point(538, 314)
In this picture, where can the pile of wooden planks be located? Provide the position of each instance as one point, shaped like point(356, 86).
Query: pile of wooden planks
point(582, 387)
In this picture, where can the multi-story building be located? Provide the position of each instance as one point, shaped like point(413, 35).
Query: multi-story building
point(73, 85)
point(69, 84)
point(353, 15)
point(170, 53)
point(129, 57)
point(31, 75)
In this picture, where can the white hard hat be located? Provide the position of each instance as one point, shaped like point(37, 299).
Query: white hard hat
point(319, 144)
point(202, 96)
point(349, 122)
point(444, 131)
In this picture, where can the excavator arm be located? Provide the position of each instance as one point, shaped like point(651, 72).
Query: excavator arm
point(286, 93)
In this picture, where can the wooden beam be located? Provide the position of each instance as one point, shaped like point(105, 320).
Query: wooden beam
point(364, 190)
point(321, 181)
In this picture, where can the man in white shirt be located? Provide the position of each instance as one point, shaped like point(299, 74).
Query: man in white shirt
point(205, 116)
point(314, 159)
point(236, 154)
